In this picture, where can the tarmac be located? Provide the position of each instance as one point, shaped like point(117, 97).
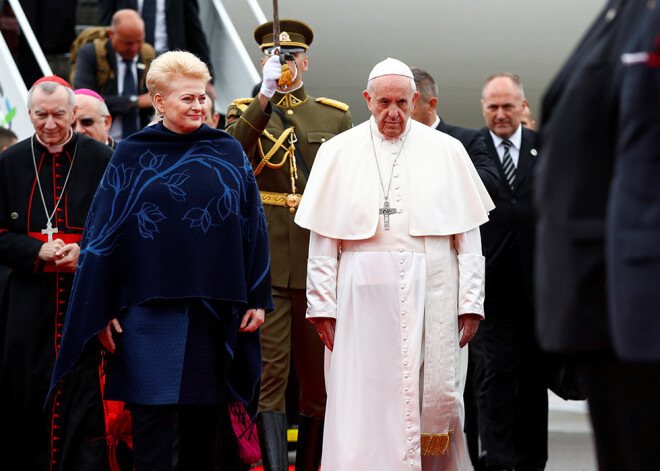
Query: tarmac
point(570, 438)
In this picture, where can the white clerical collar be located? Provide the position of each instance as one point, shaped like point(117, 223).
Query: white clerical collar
point(58, 148)
point(515, 138)
point(376, 132)
point(436, 122)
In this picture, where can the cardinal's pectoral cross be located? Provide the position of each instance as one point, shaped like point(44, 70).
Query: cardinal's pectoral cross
point(385, 211)
point(50, 231)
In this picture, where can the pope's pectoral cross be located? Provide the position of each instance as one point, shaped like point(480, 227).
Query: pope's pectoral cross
point(50, 231)
point(386, 211)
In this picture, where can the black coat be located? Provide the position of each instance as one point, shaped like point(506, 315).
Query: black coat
point(579, 140)
point(184, 30)
point(474, 144)
point(633, 213)
point(509, 232)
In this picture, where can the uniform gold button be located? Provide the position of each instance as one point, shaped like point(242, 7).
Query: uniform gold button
point(289, 112)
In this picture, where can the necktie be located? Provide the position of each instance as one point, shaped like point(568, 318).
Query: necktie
point(149, 17)
point(129, 121)
point(507, 163)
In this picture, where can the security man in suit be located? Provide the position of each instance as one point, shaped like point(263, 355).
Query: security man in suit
point(128, 58)
point(513, 398)
point(281, 130)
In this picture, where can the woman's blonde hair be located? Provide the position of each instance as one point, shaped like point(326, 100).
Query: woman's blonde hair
point(173, 65)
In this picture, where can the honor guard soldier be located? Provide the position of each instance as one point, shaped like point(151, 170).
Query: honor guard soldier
point(281, 130)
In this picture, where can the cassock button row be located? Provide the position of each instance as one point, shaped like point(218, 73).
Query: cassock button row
point(401, 262)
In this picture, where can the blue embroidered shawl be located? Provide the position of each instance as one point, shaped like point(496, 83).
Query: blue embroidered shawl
point(175, 216)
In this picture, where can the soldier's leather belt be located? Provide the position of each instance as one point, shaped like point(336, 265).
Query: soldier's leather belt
point(280, 199)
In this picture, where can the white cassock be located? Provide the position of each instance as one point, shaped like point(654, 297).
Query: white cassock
point(393, 378)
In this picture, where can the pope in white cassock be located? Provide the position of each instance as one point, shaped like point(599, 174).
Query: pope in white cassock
point(395, 283)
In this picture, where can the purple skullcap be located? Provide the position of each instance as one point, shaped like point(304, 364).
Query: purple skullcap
point(88, 92)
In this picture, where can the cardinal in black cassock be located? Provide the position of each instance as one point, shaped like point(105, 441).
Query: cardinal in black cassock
point(47, 183)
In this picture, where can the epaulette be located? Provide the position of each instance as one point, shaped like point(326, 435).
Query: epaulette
point(334, 103)
point(241, 103)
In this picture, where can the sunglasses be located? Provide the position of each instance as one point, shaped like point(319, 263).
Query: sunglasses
point(84, 122)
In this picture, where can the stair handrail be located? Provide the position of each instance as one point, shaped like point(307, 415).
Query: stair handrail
point(26, 29)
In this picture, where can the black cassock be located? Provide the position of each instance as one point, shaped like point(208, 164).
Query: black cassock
point(68, 433)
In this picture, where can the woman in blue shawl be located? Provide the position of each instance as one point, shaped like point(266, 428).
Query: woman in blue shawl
point(174, 276)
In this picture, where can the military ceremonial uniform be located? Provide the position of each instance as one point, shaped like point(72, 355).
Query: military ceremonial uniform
point(270, 145)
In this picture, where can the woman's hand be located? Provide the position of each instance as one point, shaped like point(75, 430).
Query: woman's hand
point(105, 336)
point(252, 319)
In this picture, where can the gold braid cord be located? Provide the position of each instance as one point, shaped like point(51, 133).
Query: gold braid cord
point(278, 143)
point(436, 443)
point(289, 154)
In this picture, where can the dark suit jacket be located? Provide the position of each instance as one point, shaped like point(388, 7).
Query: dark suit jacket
point(85, 77)
point(476, 148)
point(508, 236)
point(578, 137)
point(633, 212)
point(184, 30)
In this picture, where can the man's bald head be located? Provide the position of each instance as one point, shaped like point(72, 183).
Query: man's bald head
point(127, 33)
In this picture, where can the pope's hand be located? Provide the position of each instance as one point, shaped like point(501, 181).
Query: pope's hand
point(325, 327)
point(468, 323)
point(272, 71)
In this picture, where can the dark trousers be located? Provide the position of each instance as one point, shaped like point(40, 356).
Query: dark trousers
point(154, 430)
point(285, 330)
point(513, 397)
point(624, 405)
point(473, 380)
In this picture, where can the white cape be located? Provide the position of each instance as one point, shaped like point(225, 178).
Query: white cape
point(341, 198)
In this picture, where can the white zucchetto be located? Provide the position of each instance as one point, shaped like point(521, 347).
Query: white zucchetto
point(390, 67)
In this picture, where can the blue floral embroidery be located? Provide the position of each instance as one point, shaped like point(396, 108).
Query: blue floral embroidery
point(129, 184)
point(148, 216)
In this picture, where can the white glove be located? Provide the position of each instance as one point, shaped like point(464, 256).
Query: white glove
point(272, 72)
